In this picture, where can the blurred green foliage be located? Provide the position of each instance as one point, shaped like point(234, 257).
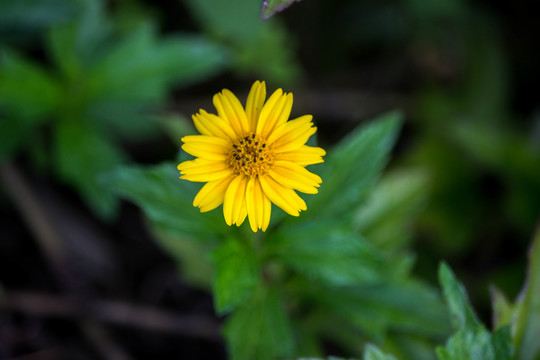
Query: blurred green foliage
point(99, 86)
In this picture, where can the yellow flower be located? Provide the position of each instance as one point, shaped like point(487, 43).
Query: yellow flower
point(251, 158)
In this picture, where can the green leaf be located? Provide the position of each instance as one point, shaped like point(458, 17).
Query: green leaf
point(374, 353)
point(527, 326)
point(141, 67)
point(167, 201)
point(75, 45)
point(462, 314)
point(27, 91)
point(236, 274)
point(376, 309)
point(393, 205)
point(351, 169)
point(61, 42)
point(81, 154)
point(259, 329)
point(271, 7)
point(471, 341)
point(326, 251)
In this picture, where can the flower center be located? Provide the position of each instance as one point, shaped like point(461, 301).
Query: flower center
point(250, 156)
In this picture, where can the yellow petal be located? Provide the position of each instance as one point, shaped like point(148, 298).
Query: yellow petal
point(294, 176)
point(292, 135)
point(210, 124)
point(258, 205)
point(267, 112)
point(229, 108)
point(212, 194)
point(206, 147)
point(242, 215)
point(201, 166)
point(234, 199)
point(275, 116)
point(251, 204)
point(254, 104)
point(267, 210)
point(210, 176)
point(224, 114)
point(303, 156)
point(281, 196)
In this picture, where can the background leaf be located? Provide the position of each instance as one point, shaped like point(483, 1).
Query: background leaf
point(236, 274)
point(387, 217)
point(26, 90)
point(327, 252)
point(406, 306)
point(471, 340)
point(259, 329)
point(81, 154)
point(345, 185)
point(167, 201)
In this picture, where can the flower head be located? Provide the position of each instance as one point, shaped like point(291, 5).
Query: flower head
point(252, 157)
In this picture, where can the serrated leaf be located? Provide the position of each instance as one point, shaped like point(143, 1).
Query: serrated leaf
point(351, 169)
point(236, 274)
point(271, 7)
point(471, 341)
point(372, 352)
point(166, 200)
point(527, 326)
point(26, 91)
point(260, 328)
point(81, 154)
point(405, 306)
point(326, 251)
